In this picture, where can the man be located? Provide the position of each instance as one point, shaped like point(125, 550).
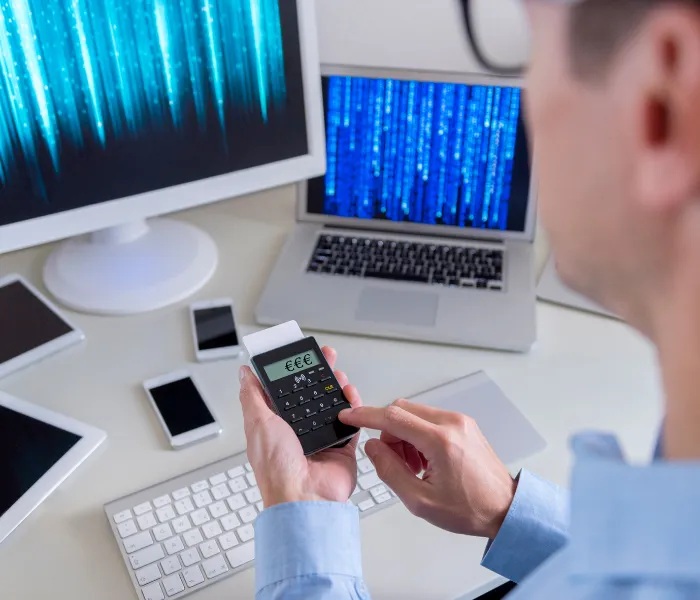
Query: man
point(614, 106)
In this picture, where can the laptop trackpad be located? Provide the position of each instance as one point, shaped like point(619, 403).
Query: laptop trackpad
point(400, 307)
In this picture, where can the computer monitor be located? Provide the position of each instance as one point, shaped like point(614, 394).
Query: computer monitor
point(115, 111)
point(427, 153)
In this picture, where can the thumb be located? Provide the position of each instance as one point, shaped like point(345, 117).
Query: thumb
point(393, 471)
point(253, 401)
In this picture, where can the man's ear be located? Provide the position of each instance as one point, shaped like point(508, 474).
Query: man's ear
point(665, 88)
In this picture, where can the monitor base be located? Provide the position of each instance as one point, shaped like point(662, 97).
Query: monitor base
point(132, 268)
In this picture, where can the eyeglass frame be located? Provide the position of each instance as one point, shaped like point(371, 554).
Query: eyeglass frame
point(476, 47)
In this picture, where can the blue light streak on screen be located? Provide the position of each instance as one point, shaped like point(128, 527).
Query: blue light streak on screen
point(90, 71)
point(420, 152)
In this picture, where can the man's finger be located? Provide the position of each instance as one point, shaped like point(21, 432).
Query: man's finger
point(352, 395)
point(393, 471)
point(342, 378)
point(428, 413)
point(253, 400)
point(331, 356)
point(393, 419)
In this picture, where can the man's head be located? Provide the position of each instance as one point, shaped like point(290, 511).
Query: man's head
point(614, 109)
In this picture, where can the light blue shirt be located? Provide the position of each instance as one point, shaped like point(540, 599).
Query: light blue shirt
point(633, 534)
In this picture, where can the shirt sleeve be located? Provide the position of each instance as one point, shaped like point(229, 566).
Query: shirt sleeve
point(308, 551)
point(535, 528)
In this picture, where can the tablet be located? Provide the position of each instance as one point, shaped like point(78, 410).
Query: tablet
point(32, 327)
point(39, 449)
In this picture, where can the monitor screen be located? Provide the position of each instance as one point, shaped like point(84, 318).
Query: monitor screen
point(429, 153)
point(104, 99)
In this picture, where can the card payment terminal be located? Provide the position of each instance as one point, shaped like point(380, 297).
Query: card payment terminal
point(301, 385)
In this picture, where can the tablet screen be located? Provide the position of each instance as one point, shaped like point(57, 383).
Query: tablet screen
point(26, 322)
point(28, 449)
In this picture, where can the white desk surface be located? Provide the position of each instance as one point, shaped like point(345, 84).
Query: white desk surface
point(584, 372)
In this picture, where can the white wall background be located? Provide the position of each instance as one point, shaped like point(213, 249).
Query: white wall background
point(411, 34)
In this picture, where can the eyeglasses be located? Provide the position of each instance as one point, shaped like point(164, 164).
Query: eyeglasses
point(499, 35)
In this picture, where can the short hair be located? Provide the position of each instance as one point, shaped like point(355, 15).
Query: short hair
point(600, 28)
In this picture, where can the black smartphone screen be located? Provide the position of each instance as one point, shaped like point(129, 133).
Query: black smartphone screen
point(215, 328)
point(181, 406)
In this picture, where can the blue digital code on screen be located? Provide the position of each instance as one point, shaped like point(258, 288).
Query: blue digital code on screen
point(432, 153)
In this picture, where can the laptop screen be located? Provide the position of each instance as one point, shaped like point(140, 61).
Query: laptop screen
point(431, 153)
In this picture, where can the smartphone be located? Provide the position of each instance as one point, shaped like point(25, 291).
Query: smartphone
point(184, 414)
point(214, 330)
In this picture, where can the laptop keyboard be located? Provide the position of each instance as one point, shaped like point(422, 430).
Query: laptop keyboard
point(389, 259)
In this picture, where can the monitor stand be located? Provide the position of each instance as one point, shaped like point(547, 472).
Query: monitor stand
point(131, 268)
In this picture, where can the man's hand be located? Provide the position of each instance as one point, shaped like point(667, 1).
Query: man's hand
point(283, 473)
point(464, 487)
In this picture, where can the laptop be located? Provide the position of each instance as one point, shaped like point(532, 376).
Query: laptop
point(423, 227)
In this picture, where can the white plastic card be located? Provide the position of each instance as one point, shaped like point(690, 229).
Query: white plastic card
point(274, 337)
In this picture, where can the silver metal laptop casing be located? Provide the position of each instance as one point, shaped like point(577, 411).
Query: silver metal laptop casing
point(500, 320)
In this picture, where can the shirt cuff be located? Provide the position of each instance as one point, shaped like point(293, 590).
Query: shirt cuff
point(307, 538)
point(534, 529)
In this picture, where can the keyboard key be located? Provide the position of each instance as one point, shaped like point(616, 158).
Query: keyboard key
point(316, 425)
point(315, 394)
point(324, 406)
point(295, 417)
point(192, 537)
point(120, 517)
point(230, 522)
point(357, 490)
point(214, 567)
point(251, 479)
point(241, 555)
point(238, 485)
point(209, 549)
point(137, 542)
point(249, 467)
point(301, 430)
point(142, 509)
point(127, 528)
point(329, 388)
point(211, 530)
point(228, 540)
point(193, 576)
point(248, 514)
point(200, 486)
point(184, 506)
point(200, 516)
point(329, 419)
point(358, 454)
point(368, 481)
point(181, 524)
point(337, 401)
point(236, 502)
point(365, 466)
point(290, 404)
point(253, 495)
point(190, 557)
point(309, 412)
point(217, 479)
point(152, 592)
point(161, 501)
point(366, 504)
point(162, 532)
point(378, 491)
point(181, 493)
point(166, 513)
point(260, 506)
point(173, 585)
point(364, 436)
point(220, 492)
point(202, 499)
point(382, 498)
point(236, 472)
point(218, 509)
point(146, 556)
point(170, 565)
point(174, 545)
point(247, 532)
point(147, 521)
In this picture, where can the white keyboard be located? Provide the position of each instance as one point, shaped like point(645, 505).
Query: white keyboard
point(187, 533)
